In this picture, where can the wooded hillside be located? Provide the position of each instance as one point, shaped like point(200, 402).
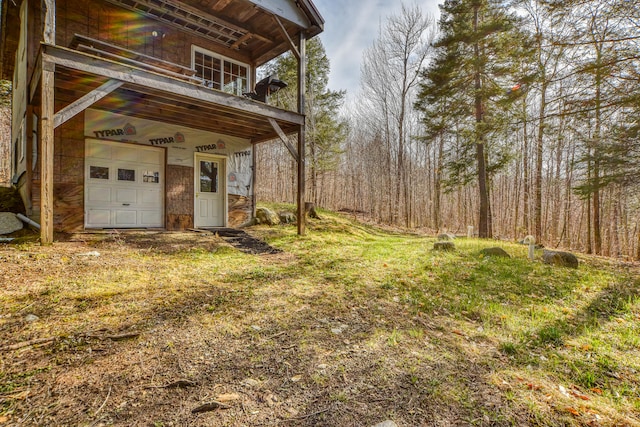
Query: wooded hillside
point(520, 119)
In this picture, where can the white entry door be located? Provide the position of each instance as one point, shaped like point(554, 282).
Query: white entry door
point(210, 191)
point(124, 185)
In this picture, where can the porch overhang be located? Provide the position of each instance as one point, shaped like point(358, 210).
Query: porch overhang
point(154, 96)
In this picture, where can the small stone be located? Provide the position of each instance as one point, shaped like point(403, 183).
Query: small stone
point(336, 331)
point(322, 366)
point(256, 328)
point(227, 397)
point(31, 318)
point(92, 253)
point(497, 252)
point(251, 382)
point(286, 217)
point(9, 223)
point(563, 259)
point(387, 423)
point(296, 378)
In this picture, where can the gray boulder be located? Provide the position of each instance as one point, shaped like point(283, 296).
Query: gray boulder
point(444, 246)
point(387, 423)
point(267, 216)
point(9, 223)
point(287, 217)
point(563, 259)
point(496, 251)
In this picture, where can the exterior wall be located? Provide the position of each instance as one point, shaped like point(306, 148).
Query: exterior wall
point(180, 143)
point(119, 26)
point(19, 100)
point(68, 177)
point(179, 188)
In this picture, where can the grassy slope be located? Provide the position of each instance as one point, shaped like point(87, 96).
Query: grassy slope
point(353, 326)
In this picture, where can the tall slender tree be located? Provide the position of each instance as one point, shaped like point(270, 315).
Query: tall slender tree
point(478, 47)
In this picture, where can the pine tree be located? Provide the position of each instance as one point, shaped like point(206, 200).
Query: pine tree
point(477, 52)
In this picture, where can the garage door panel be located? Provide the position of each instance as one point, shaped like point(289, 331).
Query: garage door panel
point(120, 190)
point(149, 218)
point(125, 218)
point(99, 194)
point(99, 217)
point(150, 157)
point(126, 195)
point(98, 150)
point(149, 196)
point(125, 153)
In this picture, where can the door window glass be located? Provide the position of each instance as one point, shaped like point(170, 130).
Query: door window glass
point(126, 175)
point(151, 176)
point(98, 172)
point(208, 176)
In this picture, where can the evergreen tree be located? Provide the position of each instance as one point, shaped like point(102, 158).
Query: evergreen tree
point(477, 52)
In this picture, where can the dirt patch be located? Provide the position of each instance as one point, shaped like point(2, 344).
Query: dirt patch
point(244, 242)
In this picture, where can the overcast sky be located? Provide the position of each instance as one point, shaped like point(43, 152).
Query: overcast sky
point(350, 27)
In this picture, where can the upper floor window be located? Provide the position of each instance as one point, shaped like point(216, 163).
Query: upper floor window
point(218, 72)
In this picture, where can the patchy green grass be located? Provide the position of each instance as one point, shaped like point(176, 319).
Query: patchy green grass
point(350, 325)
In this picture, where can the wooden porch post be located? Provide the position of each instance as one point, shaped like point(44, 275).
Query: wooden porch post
point(29, 160)
point(302, 71)
point(46, 158)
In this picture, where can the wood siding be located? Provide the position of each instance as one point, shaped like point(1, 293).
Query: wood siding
point(130, 30)
point(68, 177)
point(179, 201)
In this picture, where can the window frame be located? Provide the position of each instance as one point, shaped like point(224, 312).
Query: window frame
point(197, 49)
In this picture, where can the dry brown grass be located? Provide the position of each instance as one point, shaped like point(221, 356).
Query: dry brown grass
point(324, 334)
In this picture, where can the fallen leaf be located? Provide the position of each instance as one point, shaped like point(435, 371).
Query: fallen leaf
point(227, 397)
point(573, 411)
point(296, 378)
point(579, 396)
point(596, 390)
point(3, 419)
point(533, 386)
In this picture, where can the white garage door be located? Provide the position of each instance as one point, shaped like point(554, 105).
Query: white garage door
point(123, 185)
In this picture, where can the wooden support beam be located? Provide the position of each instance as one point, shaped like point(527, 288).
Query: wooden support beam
point(237, 43)
point(46, 135)
point(49, 30)
point(85, 102)
point(35, 78)
point(113, 70)
point(254, 172)
point(28, 185)
point(283, 30)
point(285, 139)
point(302, 71)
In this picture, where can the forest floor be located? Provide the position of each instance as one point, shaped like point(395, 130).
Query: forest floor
point(350, 325)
